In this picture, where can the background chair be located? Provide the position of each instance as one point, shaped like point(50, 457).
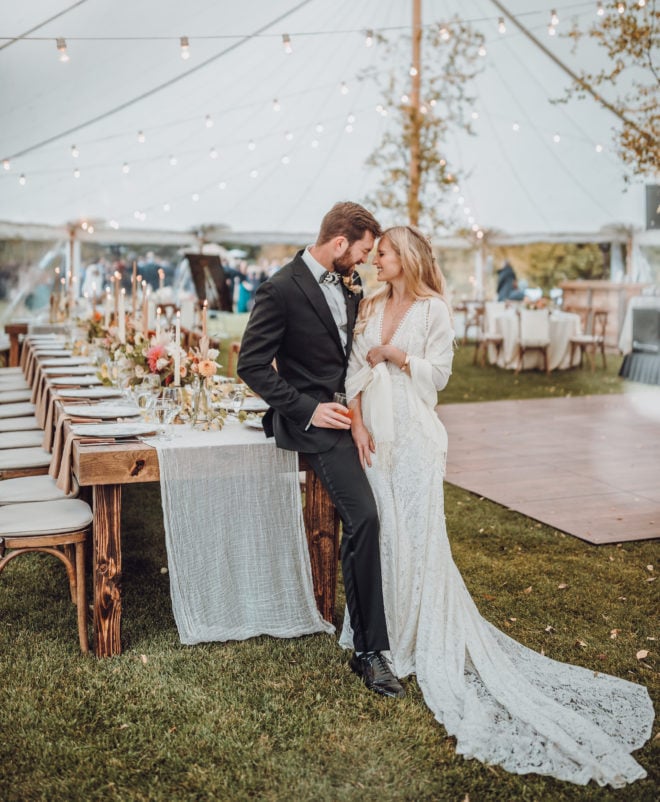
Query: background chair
point(488, 334)
point(534, 335)
point(593, 338)
point(59, 528)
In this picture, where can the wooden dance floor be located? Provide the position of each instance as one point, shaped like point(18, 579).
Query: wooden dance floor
point(589, 466)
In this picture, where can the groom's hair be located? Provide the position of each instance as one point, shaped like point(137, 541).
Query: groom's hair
point(349, 220)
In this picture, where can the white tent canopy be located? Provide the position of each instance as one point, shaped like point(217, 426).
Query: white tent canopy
point(256, 139)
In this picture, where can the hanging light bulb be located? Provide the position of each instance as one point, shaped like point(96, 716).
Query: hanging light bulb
point(404, 99)
point(444, 33)
point(252, 145)
point(288, 136)
point(556, 138)
point(424, 109)
point(286, 41)
point(343, 88)
point(621, 8)
point(350, 119)
point(166, 207)
point(222, 185)
point(599, 9)
point(599, 148)
point(516, 127)
point(554, 18)
point(213, 153)
point(208, 121)
point(185, 48)
point(125, 168)
point(22, 180)
point(61, 47)
point(348, 129)
point(475, 115)
point(501, 27)
point(141, 138)
point(482, 51)
point(413, 71)
point(75, 152)
point(195, 197)
point(174, 161)
point(114, 224)
point(369, 38)
point(76, 173)
point(641, 3)
point(90, 229)
point(319, 128)
point(254, 173)
point(315, 143)
point(276, 105)
point(6, 164)
point(285, 159)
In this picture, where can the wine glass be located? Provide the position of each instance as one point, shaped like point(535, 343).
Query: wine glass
point(340, 398)
point(164, 411)
point(236, 397)
point(175, 396)
point(151, 383)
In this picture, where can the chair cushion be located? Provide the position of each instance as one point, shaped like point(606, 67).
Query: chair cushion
point(45, 517)
point(11, 371)
point(16, 410)
point(18, 424)
point(11, 458)
point(31, 488)
point(12, 396)
point(25, 439)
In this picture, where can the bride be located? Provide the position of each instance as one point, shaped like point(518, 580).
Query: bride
point(504, 703)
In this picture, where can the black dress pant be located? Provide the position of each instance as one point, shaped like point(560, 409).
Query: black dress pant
point(342, 476)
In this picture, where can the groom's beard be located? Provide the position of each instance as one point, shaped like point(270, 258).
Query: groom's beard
point(344, 265)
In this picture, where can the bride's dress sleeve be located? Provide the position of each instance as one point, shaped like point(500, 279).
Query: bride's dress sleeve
point(358, 372)
point(430, 372)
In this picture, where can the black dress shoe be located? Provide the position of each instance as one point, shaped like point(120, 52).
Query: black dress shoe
point(376, 674)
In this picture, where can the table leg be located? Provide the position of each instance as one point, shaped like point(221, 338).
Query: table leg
point(106, 570)
point(14, 350)
point(322, 528)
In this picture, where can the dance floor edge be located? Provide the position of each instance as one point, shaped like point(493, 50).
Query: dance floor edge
point(588, 466)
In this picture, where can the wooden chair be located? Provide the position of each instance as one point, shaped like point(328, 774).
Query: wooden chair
point(474, 313)
point(60, 528)
point(234, 350)
point(534, 335)
point(593, 338)
point(487, 335)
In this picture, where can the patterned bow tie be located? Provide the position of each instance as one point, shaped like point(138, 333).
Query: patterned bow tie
point(330, 278)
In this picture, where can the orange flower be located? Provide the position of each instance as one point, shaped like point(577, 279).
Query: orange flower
point(207, 367)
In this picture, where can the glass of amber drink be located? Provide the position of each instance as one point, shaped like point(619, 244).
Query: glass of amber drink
point(340, 398)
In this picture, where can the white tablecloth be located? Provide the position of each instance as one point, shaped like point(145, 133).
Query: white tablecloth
point(563, 326)
point(639, 302)
point(236, 545)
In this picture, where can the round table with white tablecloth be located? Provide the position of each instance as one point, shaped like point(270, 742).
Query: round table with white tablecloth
point(563, 326)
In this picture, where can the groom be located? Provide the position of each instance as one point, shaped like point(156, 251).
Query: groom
point(303, 317)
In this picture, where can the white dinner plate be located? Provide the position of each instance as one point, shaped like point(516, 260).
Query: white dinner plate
point(250, 404)
point(62, 381)
point(51, 352)
point(71, 370)
point(90, 392)
point(65, 360)
point(109, 409)
point(117, 430)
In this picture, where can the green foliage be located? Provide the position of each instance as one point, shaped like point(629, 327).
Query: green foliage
point(550, 264)
point(450, 56)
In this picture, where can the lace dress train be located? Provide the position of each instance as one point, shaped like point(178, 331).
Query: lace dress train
point(504, 703)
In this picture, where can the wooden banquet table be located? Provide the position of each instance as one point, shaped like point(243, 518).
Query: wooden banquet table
point(107, 467)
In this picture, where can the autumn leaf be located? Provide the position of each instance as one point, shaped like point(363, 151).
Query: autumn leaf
point(562, 586)
point(649, 567)
point(582, 644)
point(549, 628)
point(528, 590)
point(614, 633)
point(143, 657)
point(488, 597)
point(642, 653)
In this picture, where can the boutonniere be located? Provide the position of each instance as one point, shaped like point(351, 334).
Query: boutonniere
point(351, 286)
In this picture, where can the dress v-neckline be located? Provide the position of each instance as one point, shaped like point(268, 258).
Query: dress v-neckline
point(399, 324)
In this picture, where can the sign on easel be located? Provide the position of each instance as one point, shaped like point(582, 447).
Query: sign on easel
point(210, 280)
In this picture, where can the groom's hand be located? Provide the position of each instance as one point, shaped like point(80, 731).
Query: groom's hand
point(329, 415)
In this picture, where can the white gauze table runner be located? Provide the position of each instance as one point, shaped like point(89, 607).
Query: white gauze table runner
point(236, 545)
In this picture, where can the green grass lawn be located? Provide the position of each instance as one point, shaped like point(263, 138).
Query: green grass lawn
point(285, 719)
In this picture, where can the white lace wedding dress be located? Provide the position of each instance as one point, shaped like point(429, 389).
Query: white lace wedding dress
point(504, 703)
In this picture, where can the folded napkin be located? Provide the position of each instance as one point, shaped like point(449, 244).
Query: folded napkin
point(60, 464)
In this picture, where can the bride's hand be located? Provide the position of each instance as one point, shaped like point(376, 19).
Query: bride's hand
point(363, 442)
point(377, 354)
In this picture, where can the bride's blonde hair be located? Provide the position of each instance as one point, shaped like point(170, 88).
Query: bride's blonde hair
point(421, 272)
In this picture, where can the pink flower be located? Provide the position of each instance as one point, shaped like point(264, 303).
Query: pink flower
point(155, 353)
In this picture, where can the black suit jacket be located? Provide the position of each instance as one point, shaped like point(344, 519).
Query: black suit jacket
point(291, 322)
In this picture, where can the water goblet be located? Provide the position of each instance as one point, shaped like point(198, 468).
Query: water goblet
point(164, 412)
point(236, 397)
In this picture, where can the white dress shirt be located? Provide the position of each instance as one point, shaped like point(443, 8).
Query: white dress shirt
point(334, 295)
